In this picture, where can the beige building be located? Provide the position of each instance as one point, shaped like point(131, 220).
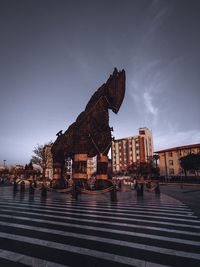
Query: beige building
point(48, 161)
point(132, 149)
point(169, 162)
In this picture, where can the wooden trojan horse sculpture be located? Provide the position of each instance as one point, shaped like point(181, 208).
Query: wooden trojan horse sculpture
point(90, 134)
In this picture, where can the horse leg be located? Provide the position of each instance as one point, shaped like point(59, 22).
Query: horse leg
point(102, 172)
point(79, 169)
point(58, 181)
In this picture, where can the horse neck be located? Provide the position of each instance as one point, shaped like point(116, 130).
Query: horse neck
point(101, 105)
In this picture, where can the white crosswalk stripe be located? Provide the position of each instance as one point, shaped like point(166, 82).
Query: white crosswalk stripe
point(61, 232)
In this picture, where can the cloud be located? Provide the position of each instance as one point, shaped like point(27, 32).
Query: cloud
point(175, 138)
point(149, 104)
point(145, 84)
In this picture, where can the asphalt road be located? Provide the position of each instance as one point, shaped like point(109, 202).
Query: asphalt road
point(189, 195)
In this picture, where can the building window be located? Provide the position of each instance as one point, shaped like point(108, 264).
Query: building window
point(179, 153)
point(130, 148)
point(137, 147)
point(171, 171)
point(170, 154)
point(171, 163)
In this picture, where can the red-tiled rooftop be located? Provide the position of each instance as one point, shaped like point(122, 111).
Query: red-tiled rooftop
point(178, 148)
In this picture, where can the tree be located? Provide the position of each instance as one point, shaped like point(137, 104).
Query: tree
point(190, 162)
point(132, 168)
point(40, 156)
point(29, 166)
point(37, 158)
point(143, 168)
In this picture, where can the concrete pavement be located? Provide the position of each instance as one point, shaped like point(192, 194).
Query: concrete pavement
point(153, 230)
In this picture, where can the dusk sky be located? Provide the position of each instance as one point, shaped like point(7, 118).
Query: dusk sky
point(55, 54)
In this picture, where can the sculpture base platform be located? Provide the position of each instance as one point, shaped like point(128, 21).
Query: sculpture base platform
point(102, 184)
point(58, 184)
point(82, 183)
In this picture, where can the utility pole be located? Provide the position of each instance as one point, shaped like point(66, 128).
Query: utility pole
point(166, 172)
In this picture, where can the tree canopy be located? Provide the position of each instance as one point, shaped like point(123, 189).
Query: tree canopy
point(38, 157)
point(190, 162)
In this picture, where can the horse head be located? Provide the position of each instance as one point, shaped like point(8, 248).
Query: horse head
point(115, 90)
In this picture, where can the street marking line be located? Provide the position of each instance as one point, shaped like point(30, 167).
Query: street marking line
point(81, 250)
point(103, 218)
point(108, 210)
point(24, 259)
point(88, 214)
point(134, 234)
point(99, 228)
point(159, 203)
point(95, 253)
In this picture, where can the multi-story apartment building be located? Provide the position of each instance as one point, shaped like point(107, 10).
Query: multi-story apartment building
point(133, 149)
point(169, 159)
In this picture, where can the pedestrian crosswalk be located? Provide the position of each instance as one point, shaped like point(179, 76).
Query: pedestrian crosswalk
point(56, 231)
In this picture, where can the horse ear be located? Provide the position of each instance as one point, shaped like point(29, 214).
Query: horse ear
point(115, 71)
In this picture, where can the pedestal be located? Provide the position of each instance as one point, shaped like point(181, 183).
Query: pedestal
point(79, 170)
point(58, 181)
point(102, 176)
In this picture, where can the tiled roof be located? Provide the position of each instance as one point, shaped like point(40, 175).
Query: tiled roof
point(178, 148)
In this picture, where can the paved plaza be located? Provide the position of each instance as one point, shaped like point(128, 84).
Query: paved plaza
point(93, 231)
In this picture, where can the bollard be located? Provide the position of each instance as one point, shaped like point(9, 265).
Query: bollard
point(43, 191)
point(31, 189)
point(136, 185)
point(22, 188)
point(140, 189)
point(74, 192)
point(157, 189)
point(15, 186)
point(35, 184)
point(113, 194)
